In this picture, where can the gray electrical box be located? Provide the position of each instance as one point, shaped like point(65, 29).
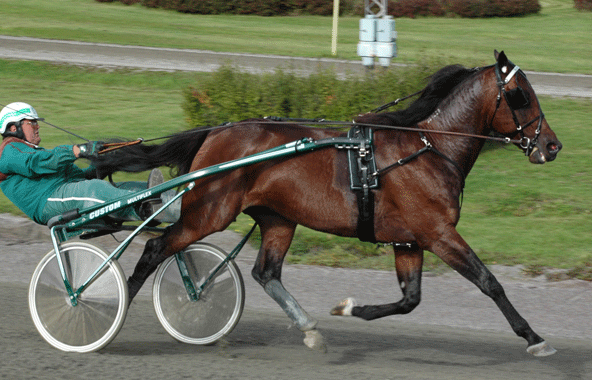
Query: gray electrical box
point(368, 28)
point(385, 29)
point(377, 40)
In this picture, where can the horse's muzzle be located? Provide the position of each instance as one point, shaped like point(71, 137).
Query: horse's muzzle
point(546, 153)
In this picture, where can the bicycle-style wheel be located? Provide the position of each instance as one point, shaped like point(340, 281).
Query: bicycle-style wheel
point(101, 308)
point(219, 307)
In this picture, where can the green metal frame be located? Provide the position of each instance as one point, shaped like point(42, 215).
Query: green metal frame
point(83, 223)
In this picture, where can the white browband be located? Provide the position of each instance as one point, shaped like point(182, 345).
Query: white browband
point(512, 73)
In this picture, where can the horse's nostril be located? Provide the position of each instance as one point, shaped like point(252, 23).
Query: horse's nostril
point(553, 147)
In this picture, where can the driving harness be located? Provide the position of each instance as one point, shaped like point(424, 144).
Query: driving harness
point(362, 169)
point(363, 174)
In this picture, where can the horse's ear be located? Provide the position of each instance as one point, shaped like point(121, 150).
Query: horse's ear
point(501, 58)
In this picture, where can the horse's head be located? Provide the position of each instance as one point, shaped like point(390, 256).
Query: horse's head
point(518, 113)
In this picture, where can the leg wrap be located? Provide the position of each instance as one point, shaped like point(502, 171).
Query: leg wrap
point(276, 290)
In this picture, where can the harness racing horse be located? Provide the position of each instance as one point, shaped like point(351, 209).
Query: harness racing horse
point(416, 203)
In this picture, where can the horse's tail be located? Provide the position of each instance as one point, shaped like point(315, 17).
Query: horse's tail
point(176, 152)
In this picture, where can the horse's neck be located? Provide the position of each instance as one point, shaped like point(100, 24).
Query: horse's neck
point(465, 111)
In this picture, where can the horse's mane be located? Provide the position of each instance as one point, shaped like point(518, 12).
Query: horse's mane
point(439, 87)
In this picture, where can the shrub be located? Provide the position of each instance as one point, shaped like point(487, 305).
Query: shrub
point(262, 8)
point(397, 8)
point(191, 6)
point(493, 8)
point(583, 5)
point(412, 8)
point(231, 95)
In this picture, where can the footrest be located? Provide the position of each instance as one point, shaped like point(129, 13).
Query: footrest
point(63, 218)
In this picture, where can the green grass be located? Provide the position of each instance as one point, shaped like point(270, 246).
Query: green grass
point(556, 40)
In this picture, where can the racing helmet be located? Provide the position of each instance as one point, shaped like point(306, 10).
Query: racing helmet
point(16, 112)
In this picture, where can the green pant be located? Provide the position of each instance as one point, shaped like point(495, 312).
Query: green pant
point(83, 194)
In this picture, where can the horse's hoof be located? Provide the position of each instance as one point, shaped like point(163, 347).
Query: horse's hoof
point(541, 349)
point(344, 307)
point(314, 340)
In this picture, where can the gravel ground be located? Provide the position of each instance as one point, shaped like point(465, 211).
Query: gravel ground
point(455, 333)
point(447, 299)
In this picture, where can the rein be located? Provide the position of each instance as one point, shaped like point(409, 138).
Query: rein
point(319, 122)
point(114, 146)
point(343, 124)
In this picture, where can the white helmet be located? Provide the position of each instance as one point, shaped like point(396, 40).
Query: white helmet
point(15, 112)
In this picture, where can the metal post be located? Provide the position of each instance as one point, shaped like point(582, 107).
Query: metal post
point(334, 32)
point(370, 7)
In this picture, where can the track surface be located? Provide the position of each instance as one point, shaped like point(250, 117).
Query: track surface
point(456, 332)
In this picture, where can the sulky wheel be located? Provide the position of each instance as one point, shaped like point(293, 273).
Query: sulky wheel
point(220, 305)
point(100, 310)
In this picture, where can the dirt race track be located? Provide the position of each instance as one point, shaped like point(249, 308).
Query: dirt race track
point(456, 333)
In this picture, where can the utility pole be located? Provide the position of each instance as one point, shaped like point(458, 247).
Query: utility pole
point(334, 33)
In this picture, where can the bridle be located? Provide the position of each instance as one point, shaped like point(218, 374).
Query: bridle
point(516, 99)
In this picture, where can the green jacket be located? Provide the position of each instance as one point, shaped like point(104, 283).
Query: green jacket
point(30, 174)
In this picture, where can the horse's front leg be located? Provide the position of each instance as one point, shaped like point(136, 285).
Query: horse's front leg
point(408, 263)
point(276, 236)
point(457, 254)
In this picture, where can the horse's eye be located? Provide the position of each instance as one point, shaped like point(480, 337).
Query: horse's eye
point(517, 98)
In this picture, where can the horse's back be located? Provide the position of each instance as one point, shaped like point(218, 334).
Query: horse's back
point(311, 189)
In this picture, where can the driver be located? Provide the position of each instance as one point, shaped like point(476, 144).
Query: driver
point(44, 183)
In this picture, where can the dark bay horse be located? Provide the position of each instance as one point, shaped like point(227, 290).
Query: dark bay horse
point(416, 203)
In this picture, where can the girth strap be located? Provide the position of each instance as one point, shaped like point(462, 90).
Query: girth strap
point(361, 167)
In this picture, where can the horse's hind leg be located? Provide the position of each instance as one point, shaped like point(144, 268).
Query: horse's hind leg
point(408, 262)
point(276, 236)
point(155, 252)
point(456, 253)
point(175, 238)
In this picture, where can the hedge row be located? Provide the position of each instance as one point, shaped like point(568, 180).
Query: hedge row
point(251, 7)
point(584, 5)
point(396, 8)
point(464, 8)
point(232, 95)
